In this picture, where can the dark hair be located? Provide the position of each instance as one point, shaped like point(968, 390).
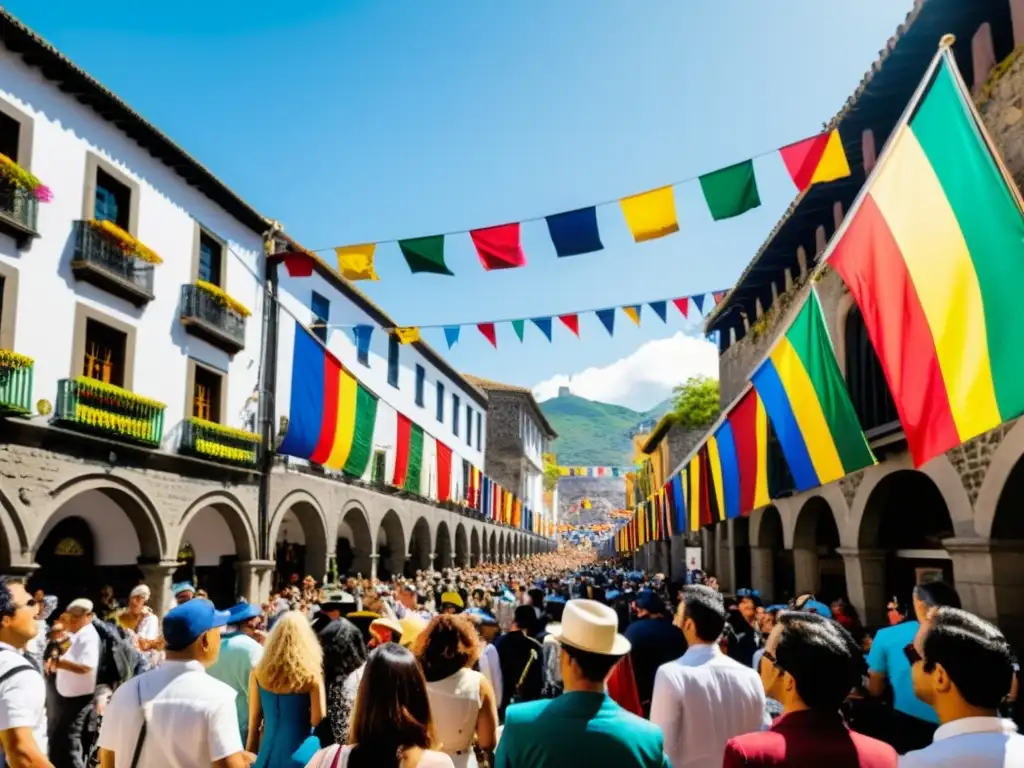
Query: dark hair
point(449, 643)
point(937, 593)
point(526, 618)
point(7, 606)
point(820, 655)
point(554, 609)
point(595, 667)
point(974, 654)
point(392, 710)
point(704, 606)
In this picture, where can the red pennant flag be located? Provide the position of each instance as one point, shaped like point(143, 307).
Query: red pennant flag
point(499, 247)
point(572, 322)
point(683, 304)
point(718, 296)
point(487, 329)
point(297, 264)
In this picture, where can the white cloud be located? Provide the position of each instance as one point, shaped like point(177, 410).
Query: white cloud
point(642, 379)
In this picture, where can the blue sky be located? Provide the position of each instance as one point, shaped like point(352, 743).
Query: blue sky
point(364, 120)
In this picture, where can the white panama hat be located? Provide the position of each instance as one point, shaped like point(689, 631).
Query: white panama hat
point(588, 625)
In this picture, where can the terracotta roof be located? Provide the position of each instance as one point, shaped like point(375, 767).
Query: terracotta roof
point(496, 386)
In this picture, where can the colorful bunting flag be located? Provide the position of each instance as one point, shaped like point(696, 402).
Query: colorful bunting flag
point(633, 313)
point(575, 232)
point(297, 264)
point(683, 305)
point(451, 335)
point(718, 296)
point(607, 318)
point(402, 451)
point(414, 466)
point(499, 247)
point(519, 326)
point(425, 254)
point(355, 262)
point(651, 215)
point(487, 329)
point(816, 160)
point(544, 324)
point(748, 424)
point(731, 191)
point(407, 335)
point(698, 301)
point(660, 309)
point(444, 472)
point(572, 322)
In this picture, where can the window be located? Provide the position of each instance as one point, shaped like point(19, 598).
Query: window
point(206, 393)
point(865, 380)
point(379, 467)
point(362, 350)
point(113, 200)
point(455, 415)
point(440, 402)
point(469, 425)
point(421, 377)
point(10, 136)
point(479, 431)
point(321, 316)
point(210, 259)
point(105, 350)
point(392, 360)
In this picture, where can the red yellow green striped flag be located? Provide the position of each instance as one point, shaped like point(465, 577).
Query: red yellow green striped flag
point(934, 256)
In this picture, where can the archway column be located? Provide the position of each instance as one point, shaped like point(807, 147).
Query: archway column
point(254, 579)
point(762, 571)
point(723, 571)
point(979, 565)
point(157, 576)
point(865, 582)
point(805, 570)
point(374, 560)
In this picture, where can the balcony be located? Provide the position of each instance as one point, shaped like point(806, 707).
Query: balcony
point(211, 314)
point(15, 382)
point(215, 442)
point(104, 409)
point(19, 211)
point(112, 263)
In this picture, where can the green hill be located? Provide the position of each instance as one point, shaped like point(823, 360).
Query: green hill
point(596, 434)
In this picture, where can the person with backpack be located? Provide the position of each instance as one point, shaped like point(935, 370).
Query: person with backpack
point(23, 741)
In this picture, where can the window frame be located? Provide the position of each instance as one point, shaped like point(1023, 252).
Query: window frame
point(26, 133)
point(456, 406)
point(84, 313)
point(190, 386)
point(93, 163)
point(315, 326)
point(8, 305)
point(421, 384)
point(479, 430)
point(199, 231)
point(439, 393)
point(469, 424)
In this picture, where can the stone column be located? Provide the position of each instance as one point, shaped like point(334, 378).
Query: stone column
point(981, 569)
point(374, 559)
point(708, 551)
point(762, 572)
point(865, 583)
point(254, 579)
point(20, 571)
point(157, 576)
point(433, 559)
point(730, 556)
point(806, 572)
point(722, 558)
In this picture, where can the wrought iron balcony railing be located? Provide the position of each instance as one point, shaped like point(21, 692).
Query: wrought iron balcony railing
point(215, 442)
point(19, 212)
point(99, 260)
point(206, 316)
point(94, 406)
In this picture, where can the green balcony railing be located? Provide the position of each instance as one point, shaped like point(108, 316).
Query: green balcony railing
point(216, 442)
point(15, 382)
point(94, 406)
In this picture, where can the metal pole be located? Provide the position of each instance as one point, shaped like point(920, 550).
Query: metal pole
point(268, 391)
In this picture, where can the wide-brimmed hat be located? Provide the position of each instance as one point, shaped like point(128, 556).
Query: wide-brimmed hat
point(338, 600)
point(588, 625)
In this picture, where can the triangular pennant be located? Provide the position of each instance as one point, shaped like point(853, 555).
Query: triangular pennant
point(607, 318)
point(572, 322)
point(660, 309)
point(408, 335)
point(425, 254)
point(633, 313)
point(355, 262)
point(544, 324)
point(499, 247)
point(698, 301)
point(487, 329)
point(683, 305)
point(451, 335)
point(575, 232)
point(519, 327)
point(731, 191)
point(718, 296)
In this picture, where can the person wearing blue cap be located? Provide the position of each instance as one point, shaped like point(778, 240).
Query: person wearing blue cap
point(183, 591)
point(239, 655)
point(177, 715)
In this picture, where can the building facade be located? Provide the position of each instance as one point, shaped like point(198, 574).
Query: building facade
point(130, 348)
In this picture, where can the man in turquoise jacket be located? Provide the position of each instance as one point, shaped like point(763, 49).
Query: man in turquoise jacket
point(583, 726)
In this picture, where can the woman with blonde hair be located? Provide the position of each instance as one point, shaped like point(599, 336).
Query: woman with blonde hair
point(286, 696)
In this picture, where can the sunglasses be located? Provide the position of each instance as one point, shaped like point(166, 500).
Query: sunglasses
point(912, 655)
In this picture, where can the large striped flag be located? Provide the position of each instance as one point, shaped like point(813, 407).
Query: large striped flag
point(806, 399)
point(934, 256)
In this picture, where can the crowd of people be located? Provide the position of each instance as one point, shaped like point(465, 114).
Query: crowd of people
point(556, 660)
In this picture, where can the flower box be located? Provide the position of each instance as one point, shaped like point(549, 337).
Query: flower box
point(16, 373)
point(95, 406)
point(216, 442)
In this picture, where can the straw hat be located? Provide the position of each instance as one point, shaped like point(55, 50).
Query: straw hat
point(588, 625)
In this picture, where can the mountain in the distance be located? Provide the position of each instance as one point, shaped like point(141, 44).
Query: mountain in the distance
point(596, 434)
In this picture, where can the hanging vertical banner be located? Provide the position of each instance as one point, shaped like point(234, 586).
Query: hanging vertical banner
point(413, 474)
point(499, 247)
point(402, 451)
point(575, 232)
point(651, 215)
point(345, 421)
point(362, 434)
point(444, 472)
point(355, 262)
point(306, 413)
point(425, 254)
point(731, 191)
point(716, 488)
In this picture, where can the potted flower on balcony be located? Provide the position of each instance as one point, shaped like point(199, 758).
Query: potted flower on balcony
point(19, 178)
point(128, 244)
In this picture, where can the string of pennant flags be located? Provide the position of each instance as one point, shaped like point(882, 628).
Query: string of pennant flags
point(594, 471)
point(728, 192)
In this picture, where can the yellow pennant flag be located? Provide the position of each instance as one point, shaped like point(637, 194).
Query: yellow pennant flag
point(408, 335)
point(355, 262)
point(651, 215)
point(633, 313)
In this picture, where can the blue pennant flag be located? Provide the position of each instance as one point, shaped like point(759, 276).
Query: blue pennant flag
point(607, 318)
point(698, 302)
point(451, 335)
point(575, 232)
point(362, 334)
point(544, 323)
point(660, 309)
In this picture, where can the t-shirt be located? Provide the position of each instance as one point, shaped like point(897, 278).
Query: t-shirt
point(22, 698)
point(191, 718)
point(887, 658)
point(84, 650)
point(239, 655)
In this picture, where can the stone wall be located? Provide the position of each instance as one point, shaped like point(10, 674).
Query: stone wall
point(503, 461)
point(680, 442)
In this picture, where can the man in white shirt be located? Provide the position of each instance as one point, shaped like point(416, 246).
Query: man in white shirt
point(962, 666)
point(22, 691)
point(704, 698)
point(177, 716)
point(76, 684)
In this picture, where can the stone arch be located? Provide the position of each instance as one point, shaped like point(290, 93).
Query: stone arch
point(1002, 469)
point(461, 546)
point(213, 535)
point(389, 545)
point(233, 514)
point(354, 543)
point(818, 568)
point(442, 546)
point(500, 552)
point(305, 518)
point(15, 542)
point(419, 546)
point(474, 546)
point(492, 549)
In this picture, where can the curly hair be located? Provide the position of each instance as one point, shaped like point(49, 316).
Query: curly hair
point(292, 659)
point(449, 643)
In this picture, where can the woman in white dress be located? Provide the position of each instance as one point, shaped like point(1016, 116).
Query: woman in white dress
point(462, 701)
point(144, 625)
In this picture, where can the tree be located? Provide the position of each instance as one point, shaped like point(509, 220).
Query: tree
point(551, 476)
point(696, 402)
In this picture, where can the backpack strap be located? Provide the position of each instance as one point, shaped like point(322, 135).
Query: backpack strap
point(142, 731)
point(12, 672)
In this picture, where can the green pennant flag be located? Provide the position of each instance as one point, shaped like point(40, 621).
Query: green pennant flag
point(731, 191)
point(518, 326)
point(425, 254)
point(415, 467)
point(362, 434)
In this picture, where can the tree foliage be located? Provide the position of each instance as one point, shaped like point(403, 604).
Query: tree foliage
point(551, 476)
point(696, 402)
